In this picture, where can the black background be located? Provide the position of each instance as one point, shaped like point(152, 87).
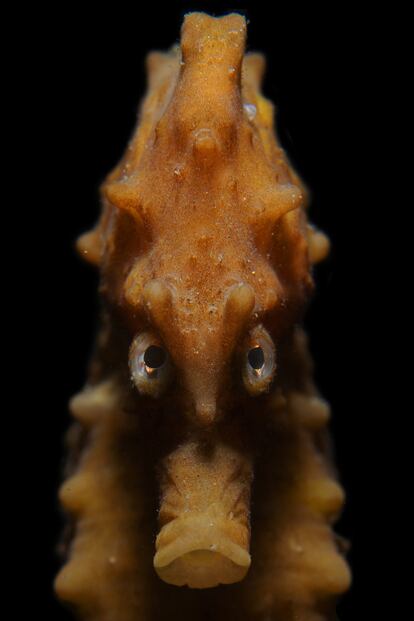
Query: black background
point(80, 90)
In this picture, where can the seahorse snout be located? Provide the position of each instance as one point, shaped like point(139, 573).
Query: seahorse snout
point(205, 412)
point(204, 515)
point(202, 550)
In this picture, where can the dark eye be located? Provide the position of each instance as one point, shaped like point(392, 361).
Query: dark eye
point(154, 357)
point(260, 362)
point(256, 358)
point(150, 365)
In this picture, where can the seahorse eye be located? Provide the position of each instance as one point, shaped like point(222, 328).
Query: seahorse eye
point(256, 358)
point(154, 358)
point(259, 364)
point(150, 365)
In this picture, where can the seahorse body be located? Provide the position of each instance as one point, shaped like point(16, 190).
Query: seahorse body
point(211, 468)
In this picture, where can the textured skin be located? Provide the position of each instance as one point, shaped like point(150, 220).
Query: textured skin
point(203, 238)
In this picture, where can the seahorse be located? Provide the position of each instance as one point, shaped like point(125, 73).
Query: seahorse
point(200, 481)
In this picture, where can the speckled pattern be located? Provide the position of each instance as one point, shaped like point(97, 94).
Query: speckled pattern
point(203, 488)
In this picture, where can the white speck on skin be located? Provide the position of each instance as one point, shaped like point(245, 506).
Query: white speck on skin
point(250, 110)
point(178, 170)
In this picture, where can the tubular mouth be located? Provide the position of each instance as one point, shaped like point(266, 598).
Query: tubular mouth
point(202, 551)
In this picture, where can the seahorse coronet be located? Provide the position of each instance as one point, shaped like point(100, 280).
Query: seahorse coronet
point(208, 462)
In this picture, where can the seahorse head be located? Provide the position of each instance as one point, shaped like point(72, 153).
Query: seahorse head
point(203, 251)
point(199, 201)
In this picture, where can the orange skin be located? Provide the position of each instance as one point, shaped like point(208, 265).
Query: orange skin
point(204, 250)
point(197, 204)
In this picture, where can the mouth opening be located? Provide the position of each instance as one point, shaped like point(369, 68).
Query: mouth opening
point(201, 551)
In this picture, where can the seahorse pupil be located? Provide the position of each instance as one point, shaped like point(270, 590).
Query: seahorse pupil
point(154, 357)
point(256, 358)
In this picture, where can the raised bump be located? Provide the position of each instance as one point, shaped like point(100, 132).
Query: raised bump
point(318, 243)
point(124, 196)
point(239, 303)
point(205, 145)
point(279, 201)
point(89, 247)
point(254, 66)
point(157, 298)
